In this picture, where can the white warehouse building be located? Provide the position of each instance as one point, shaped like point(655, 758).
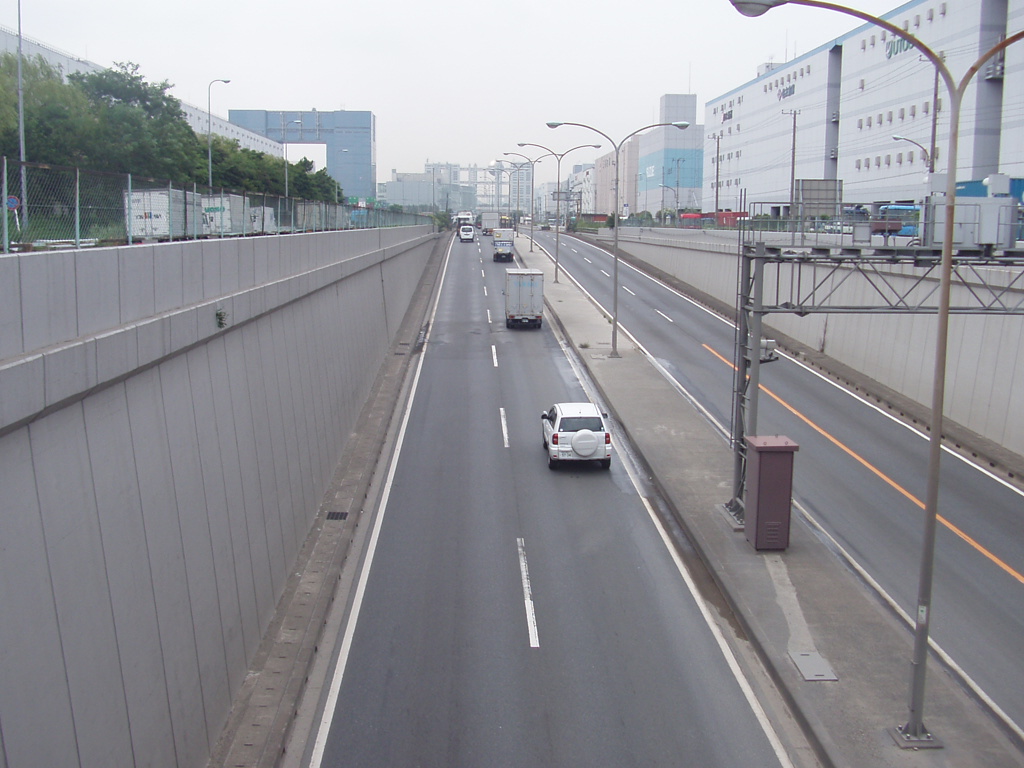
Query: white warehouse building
point(833, 113)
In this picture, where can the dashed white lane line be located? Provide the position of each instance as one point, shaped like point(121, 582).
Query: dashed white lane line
point(494, 355)
point(628, 291)
point(531, 617)
point(504, 427)
point(605, 273)
point(664, 315)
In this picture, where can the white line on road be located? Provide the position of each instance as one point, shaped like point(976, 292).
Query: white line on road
point(485, 290)
point(587, 260)
point(488, 317)
point(482, 274)
point(494, 355)
point(504, 426)
point(628, 291)
point(531, 617)
point(664, 315)
point(605, 273)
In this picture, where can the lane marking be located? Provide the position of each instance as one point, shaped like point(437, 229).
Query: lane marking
point(664, 315)
point(531, 617)
point(331, 702)
point(605, 273)
point(483, 274)
point(494, 355)
point(587, 260)
point(712, 625)
point(485, 290)
point(488, 317)
point(504, 426)
point(882, 476)
point(628, 291)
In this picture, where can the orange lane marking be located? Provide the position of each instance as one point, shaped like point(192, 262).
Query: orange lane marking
point(881, 475)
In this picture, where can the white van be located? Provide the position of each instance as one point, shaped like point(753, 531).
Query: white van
point(466, 234)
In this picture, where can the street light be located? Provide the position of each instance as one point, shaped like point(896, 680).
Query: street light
point(533, 164)
point(927, 157)
point(913, 734)
point(209, 128)
point(558, 186)
point(497, 171)
point(681, 125)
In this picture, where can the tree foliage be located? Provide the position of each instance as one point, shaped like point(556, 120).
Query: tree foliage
point(116, 121)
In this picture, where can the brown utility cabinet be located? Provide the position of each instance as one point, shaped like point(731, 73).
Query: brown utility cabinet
point(769, 491)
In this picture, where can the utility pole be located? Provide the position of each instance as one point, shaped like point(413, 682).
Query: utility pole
point(792, 165)
point(718, 166)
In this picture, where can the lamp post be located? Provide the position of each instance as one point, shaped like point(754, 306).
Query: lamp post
point(497, 171)
point(558, 186)
point(927, 157)
point(913, 734)
point(533, 164)
point(209, 129)
point(681, 125)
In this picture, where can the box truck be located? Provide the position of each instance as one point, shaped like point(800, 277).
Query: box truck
point(489, 222)
point(504, 244)
point(524, 298)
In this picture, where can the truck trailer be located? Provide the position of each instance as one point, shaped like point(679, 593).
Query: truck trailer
point(489, 222)
point(524, 298)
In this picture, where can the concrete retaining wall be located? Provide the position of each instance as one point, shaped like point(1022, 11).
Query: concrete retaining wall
point(985, 372)
point(158, 473)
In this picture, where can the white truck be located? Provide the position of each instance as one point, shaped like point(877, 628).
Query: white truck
point(488, 222)
point(524, 298)
point(504, 244)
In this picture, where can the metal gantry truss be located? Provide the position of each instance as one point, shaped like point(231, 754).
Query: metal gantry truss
point(805, 281)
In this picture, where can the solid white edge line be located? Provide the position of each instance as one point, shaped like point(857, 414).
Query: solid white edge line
point(350, 626)
point(494, 355)
point(531, 617)
point(504, 426)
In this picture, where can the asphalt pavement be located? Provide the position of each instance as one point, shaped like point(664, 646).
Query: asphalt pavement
point(836, 651)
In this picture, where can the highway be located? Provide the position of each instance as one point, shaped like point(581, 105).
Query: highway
point(859, 474)
point(511, 615)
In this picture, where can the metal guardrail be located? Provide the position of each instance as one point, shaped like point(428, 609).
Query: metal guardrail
point(50, 207)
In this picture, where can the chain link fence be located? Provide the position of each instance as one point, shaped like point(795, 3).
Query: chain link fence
point(53, 207)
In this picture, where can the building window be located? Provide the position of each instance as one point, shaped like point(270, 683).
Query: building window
point(878, 161)
point(863, 45)
point(913, 110)
point(862, 84)
point(889, 116)
point(869, 121)
point(924, 108)
point(808, 69)
point(860, 124)
point(879, 118)
point(888, 160)
point(910, 157)
point(899, 158)
point(903, 113)
point(858, 165)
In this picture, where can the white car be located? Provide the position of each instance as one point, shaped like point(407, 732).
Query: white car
point(466, 234)
point(576, 432)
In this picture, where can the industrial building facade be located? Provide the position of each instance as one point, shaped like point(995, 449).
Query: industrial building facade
point(868, 110)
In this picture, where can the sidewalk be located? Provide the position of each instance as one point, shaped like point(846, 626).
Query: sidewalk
point(803, 603)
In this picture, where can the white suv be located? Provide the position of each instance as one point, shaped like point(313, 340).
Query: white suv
point(576, 432)
point(466, 234)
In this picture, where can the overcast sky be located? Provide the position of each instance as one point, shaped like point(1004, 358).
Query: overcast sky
point(451, 80)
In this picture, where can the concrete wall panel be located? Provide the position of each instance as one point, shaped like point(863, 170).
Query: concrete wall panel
point(35, 705)
point(10, 306)
point(128, 571)
point(77, 561)
point(160, 473)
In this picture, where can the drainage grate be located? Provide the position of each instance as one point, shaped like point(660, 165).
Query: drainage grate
point(337, 515)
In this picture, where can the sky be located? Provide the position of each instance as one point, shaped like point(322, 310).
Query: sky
point(450, 80)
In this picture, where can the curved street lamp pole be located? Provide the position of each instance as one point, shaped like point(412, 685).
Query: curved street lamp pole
point(927, 158)
point(209, 129)
point(913, 734)
point(674, 191)
point(681, 125)
point(284, 140)
point(558, 186)
point(533, 164)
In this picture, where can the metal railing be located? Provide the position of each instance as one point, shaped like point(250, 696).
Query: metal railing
point(50, 207)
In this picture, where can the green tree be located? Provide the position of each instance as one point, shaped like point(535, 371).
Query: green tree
point(140, 127)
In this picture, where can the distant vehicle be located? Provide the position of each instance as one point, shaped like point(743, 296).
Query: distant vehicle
point(504, 244)
point(906, 216)
point(545, 226)
point(466, 233)
point(524, 298)
point(463, 218)
point(489, 222)
point(575, 432)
